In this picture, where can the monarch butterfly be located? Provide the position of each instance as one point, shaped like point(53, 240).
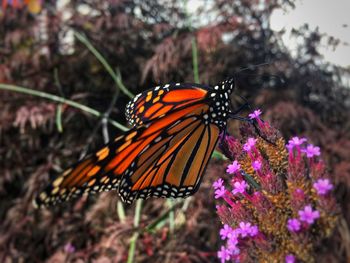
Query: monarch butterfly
point(165, 153)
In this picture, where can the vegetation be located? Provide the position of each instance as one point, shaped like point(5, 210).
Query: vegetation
point(93, 55)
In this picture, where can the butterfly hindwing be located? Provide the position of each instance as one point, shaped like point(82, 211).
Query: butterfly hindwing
point(173, 166)
point(88, 175)
point(158, 102)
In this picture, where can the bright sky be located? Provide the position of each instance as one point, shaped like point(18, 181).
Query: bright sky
point(331, 17)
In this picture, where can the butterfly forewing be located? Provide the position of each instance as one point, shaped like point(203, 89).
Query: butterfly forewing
point(158, 102)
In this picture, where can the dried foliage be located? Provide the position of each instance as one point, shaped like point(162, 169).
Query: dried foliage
point(150, 42)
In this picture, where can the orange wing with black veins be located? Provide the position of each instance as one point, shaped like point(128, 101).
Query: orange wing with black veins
point(159, 101)
point(166, 157)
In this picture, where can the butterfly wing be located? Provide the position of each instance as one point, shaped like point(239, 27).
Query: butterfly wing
point(87, 175)
point(139, 154)
point(157, 102)
point(173, 165)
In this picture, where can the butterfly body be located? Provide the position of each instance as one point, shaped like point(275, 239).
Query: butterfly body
point(165, 153)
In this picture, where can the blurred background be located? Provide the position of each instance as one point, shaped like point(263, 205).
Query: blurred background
point(99, 53)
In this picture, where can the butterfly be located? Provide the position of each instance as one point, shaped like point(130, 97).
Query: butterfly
point(175, 129)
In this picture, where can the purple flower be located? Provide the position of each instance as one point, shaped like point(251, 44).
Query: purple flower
point(255, 114)
point(224, 254)
point(308, 215)
point(226, 232)
point(249, 144)
point(295, 141)
point(69, 248)
point(220, 192)
point(256, 165)
point(234, 167)
point(245, 229)
point(232, 240)
point(239, 187)
point(254, 230)
point(218, 183)
point(293, 225)
point(322, 186)
point(311, 151)
point(290, 258)
point(232, 245)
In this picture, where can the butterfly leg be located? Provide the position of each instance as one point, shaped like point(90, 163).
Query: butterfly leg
point(240, 108)
point(254, 123)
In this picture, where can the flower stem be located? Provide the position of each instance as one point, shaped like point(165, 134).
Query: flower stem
point(135, 236)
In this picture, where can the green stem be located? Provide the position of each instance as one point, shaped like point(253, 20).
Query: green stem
point(218, 155)
point(170, 204)
point(121, 211)
point(58, 99)
point(163, 217)
point(135, 236)
point(59, 118)
point(251, 181)
point(104, 62)
point(195, 60)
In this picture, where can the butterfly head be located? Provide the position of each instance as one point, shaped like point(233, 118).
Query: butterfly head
point(228, 85)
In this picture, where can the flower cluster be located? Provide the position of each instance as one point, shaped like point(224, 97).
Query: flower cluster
point(279, 204)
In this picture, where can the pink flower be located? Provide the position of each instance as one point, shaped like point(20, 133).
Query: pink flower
point(308, 215)
point(69, 248)
point(229, 145)
point(232, 245)
point(254, 230)
point(234, 167)
point(224, 254)
point(239, 187)
point(218, 183)
point(311, 151)
point(220, 192)
point(255, 114)
point(249, 144)
point(226, 232)
point(322, 186)
point(256, 165)
point(293, 225)
point(246, 229)
point(290, 258)
point(295, 141)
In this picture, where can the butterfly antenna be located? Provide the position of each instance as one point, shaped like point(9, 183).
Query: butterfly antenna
point(254, 66)
point(251, 67)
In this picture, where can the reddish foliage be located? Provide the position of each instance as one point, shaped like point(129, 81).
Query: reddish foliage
point(147, 41)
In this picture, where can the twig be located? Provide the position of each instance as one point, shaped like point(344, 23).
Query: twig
point(59, 106)
point(103, 121)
